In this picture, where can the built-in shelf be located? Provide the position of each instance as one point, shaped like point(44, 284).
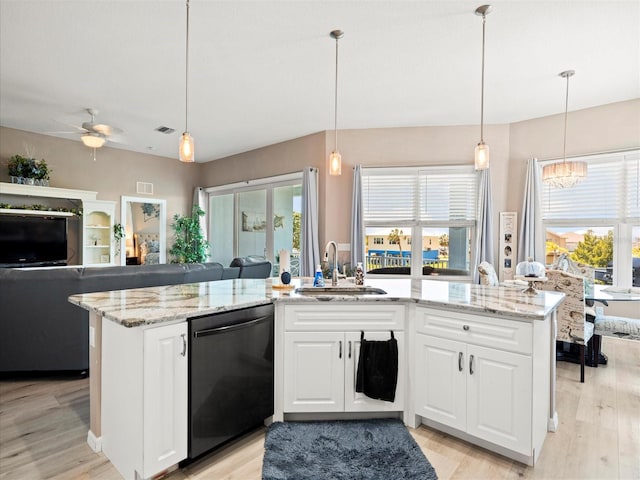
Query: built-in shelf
point(40, 213)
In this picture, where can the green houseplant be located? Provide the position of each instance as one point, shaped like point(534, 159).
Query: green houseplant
point(118, 235)
point(190, 245)
point(21, 168)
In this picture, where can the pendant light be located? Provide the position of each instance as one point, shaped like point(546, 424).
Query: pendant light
point(335, 159)
point(186, 141)
point(565, 174)
point(482, 149)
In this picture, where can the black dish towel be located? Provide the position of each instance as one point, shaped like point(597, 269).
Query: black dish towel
point(377, 374)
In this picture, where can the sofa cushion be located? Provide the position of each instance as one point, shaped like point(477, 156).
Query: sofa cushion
point(203, 272)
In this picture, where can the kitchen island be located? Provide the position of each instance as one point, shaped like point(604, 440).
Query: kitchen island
point(442, 328)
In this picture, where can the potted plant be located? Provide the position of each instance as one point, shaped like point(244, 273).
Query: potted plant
point(28, 171)
point(190, 245)
point(118, 235)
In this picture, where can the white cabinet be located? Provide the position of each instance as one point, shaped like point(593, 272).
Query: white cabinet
point(97, 233)
point(321, 350)
point(475, 375)
point(482, 391)
point(144, 397)
point(313, 372)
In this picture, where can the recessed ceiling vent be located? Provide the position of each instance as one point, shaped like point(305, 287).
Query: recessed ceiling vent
point(165, 130)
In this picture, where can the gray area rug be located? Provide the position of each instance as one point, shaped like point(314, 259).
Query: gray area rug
point(354, 450)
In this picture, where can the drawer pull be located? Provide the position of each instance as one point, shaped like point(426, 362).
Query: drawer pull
point(340, 349)
point(349, 348)
point(471, 364)
point(460, 367)
point(465, 327)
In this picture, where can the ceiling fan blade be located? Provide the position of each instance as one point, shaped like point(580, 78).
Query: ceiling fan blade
point(119, 139)
point(103, 129)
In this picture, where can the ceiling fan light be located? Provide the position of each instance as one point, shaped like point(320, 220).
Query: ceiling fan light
point(186, 148)
point(93, 140)
point(335, 163)
point(482, 156)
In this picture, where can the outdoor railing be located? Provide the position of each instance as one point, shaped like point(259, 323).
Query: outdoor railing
point(382, 261)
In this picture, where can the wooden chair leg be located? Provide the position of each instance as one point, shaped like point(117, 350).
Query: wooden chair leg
point(590, 352)
point(581, 363)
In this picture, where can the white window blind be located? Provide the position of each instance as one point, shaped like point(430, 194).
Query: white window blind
point(608, 193)
point(419, 195)
point(447, 195)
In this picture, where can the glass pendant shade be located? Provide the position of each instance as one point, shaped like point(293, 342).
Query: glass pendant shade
point(186, 148)
point(93, 141)
point(335, 163)
point(482, 156)
point(564, 174)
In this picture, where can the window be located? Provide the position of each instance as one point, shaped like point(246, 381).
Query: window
point(434, 204)
point(378, 240)
point(257, 218)
point(597, 222)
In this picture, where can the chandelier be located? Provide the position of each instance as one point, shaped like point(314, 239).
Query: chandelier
point(565, 174)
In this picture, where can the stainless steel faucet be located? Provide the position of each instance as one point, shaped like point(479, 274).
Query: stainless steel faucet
point(334, 273)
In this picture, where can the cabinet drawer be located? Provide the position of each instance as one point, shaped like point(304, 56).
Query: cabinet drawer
point(343, 317)
point(509, 335)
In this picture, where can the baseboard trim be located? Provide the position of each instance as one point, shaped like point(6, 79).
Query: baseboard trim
point(552, 423)
point(94, 442)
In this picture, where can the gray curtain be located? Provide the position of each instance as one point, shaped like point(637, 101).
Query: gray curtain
point(484, 231)
point(200, 200)
point(357, 223)
point(309, 241)
point(531, 237)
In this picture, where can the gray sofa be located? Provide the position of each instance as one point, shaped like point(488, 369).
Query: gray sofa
point(40, 331)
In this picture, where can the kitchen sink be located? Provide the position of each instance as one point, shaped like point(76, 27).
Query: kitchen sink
point(339, 291)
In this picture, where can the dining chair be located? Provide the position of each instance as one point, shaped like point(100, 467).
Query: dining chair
point(573, 326)
point(488, 274)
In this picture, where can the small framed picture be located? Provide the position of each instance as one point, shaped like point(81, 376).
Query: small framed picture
point(104, 258)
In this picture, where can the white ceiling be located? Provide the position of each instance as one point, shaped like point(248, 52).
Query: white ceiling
point(263, 71)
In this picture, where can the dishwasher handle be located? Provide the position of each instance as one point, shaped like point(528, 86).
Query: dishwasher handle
point(230, 328)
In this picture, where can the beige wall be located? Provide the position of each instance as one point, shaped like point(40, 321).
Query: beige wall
point(593, 130)
point(604, 128)
point(113, 174)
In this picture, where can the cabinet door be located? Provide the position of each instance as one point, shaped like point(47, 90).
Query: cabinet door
point(499, 401)
point(359, 402)
point(440, 383)
point(314, 371)
point(164, 397)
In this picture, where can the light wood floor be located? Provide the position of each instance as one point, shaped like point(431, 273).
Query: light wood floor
point(44, 423)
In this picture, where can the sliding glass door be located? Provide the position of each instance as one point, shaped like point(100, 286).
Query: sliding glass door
point(256, 220)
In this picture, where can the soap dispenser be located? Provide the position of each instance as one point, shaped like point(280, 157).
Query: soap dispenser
point(359, 274)
point(318, 280)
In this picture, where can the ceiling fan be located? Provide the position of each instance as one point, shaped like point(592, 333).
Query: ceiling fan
point(95, 134)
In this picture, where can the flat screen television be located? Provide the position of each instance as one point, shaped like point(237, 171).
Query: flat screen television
point(32, 240)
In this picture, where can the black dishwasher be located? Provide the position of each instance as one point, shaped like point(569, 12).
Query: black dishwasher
point(230, 376)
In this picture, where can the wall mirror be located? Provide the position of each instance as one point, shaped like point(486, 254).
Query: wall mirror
point(145, 225)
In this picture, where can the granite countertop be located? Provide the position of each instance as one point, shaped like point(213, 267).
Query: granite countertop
point(143, 306)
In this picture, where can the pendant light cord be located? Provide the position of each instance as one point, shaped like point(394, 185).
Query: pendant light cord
point(186, 77)
point(566, 115)
point(484, 18)
point(335, 105)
